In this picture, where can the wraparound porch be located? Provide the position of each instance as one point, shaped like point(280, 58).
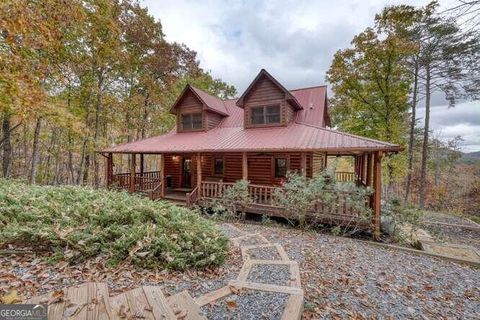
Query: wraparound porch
point(200, 177)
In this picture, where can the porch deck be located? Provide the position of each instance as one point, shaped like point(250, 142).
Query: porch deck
point(263, 201)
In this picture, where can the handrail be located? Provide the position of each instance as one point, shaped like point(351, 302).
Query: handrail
point(192, 197)
point(156, 193)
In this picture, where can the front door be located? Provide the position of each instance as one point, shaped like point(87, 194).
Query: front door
point(186, 172)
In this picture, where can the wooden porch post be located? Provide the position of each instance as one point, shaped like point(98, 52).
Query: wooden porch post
point(162, 174)
point(369, 169)
point(357, 169)
point(377, 185)
point(303, 164)
point(199, 170)
point(109, 175)
point(365, 169)
point(244, 166)
point(132, 172)
point(141, 164)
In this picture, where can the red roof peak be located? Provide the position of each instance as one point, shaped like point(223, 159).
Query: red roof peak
point(308, 88)
point(264, 73)
point(212, 103)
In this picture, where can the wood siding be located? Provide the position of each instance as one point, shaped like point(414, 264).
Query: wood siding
point(212, 120)
point(318, 162)
point(290, 113)
point(173, 167)
point(189, 104)
point(261, 167)
point(263, 93)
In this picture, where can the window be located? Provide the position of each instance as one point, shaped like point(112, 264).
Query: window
point(280, 167)
point(191, 121)
point(218, 166)
point(265, 114)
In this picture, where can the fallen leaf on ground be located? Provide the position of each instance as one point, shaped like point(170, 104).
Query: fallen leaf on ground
point(231, 305)
point(10, 298)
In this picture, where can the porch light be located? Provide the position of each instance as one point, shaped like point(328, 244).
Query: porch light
point(174, 158)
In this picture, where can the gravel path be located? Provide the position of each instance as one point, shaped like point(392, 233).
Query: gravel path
point(251, 241)
point(265, 253)
point(270, 274)
point(251, 305)
point(452, 234)
point(230, 231)
point(346, 278)
point(447, 218)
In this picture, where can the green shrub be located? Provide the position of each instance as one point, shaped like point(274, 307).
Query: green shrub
point(299, 195)
point(405, 219)
point(84, 222)
point(234, 199)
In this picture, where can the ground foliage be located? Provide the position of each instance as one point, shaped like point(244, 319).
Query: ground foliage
point(78, 223)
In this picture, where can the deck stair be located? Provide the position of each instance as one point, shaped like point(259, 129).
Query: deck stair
point(183, 305)
point(91, 300)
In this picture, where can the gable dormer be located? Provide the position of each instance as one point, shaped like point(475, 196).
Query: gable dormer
point(196, 110)
point(267, 103)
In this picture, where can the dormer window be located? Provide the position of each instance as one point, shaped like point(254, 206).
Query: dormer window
point(192, 121)
point(265, 115)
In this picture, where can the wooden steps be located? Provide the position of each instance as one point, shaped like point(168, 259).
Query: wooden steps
point(92, 301)
point(185, 307)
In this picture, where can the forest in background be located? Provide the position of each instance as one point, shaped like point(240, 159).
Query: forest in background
point(394, 67)
point(77, 76)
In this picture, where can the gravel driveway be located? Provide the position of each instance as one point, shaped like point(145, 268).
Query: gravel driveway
point(347, 278)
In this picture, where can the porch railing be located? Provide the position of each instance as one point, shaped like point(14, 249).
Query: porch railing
point(345, 176)
point(192, 197)
point(148, 182)
point(260, 194)
point(264, 196)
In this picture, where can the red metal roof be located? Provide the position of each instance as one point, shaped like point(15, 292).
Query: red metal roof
point(213, 103)
point(296, 136)
point(314, 102)
point(305, 133)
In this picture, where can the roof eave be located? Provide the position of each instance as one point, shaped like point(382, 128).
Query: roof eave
point(389, 149)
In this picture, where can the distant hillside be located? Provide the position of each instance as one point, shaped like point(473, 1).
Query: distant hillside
point(471, 156)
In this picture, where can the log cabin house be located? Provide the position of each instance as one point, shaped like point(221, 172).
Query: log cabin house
point(266, 132)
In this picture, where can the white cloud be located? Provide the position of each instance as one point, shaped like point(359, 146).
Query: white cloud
point(293, 40)
point(462, 120)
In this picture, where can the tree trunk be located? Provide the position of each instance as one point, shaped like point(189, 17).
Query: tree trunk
point(82, 162)
point(86, 169)
point(98, 105)
point(7, 147)
point(412, 133)
point(71, 179)
point(36, 138)
point(145, 116)
point(423, 172)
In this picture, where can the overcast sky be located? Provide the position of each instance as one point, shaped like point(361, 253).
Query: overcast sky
point(293, 40)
